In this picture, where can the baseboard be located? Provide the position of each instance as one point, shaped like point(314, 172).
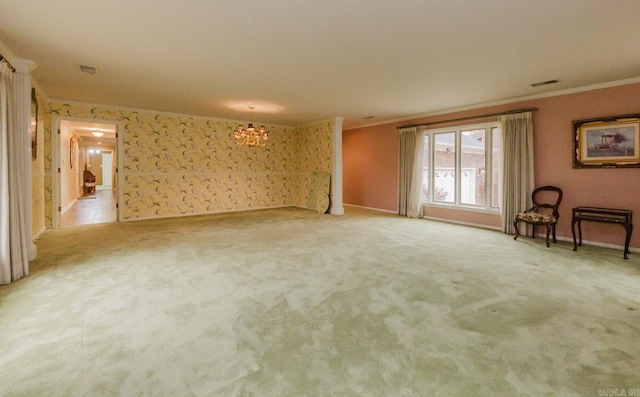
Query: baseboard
point(39, 233)
point(207, 213)
point(478, 225)
point(66, 207)
point(587, 242)
point(370, 208)
point(306, 208)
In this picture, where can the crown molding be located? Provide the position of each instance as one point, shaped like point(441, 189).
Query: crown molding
point(568, 91)
point(171, 114)
point(21, 65)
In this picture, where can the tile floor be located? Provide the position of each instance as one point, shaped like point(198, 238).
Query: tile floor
point(98, 207)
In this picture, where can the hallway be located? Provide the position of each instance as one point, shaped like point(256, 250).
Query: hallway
point(98, 207)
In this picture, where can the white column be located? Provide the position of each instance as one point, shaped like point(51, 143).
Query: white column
point(336, 175)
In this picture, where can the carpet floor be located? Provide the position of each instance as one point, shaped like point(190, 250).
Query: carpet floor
point(287, 302)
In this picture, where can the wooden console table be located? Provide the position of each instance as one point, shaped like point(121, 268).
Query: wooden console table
point(606, 215)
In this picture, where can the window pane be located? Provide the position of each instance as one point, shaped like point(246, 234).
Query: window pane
point(472, 163)
point(496, 166)
point(425, 171)
point(445, 163)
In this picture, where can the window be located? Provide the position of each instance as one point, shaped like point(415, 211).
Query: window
point(462, 166)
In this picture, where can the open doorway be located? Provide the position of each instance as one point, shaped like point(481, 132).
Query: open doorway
point(87, 188)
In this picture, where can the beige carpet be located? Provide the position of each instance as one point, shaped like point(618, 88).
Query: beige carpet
point(288, 302)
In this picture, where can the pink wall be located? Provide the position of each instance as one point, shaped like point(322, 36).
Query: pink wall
point(371, 158)
point(370, 167)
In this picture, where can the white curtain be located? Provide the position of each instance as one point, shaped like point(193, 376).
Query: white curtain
point(411, 157)
point(16, 246)
point(518, 176)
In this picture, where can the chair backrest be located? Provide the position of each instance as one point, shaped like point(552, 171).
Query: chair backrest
point(547, 197)
point(88, 176)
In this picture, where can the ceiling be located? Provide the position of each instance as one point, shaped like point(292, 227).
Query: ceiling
point(85, 131)
point(302, 61)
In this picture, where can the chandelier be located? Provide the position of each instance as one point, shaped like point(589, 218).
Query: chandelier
point(251, 136)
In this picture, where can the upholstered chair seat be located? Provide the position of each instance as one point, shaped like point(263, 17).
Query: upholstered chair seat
point(534, 217)
point(544, 198)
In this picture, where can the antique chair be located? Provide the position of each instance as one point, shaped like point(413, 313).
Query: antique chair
point(89, 182)
point(546, 200)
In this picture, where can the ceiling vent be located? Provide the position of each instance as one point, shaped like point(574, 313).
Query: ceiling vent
point(88, 69)
point(545, 83)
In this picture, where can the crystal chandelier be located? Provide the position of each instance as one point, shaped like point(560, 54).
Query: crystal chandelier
point(251, 136)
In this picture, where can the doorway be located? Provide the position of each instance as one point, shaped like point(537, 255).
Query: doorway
point(86, 188)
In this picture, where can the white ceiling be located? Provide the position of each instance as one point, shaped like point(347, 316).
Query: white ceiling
point(299, 61)
point(85, 131)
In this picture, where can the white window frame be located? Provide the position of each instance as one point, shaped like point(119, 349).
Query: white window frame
point(486, 207)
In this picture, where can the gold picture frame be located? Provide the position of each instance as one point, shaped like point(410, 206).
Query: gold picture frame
point(72, 146)
point(611, 142)
point(33, 125)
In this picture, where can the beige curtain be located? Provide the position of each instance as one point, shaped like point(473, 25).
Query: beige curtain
point(16, 247)
point(411, 157)
point(5, 252)
point(518, 176)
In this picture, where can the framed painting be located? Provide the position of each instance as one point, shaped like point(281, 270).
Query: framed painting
point(610, 142)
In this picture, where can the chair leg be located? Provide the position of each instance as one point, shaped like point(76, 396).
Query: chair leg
point(554, 233)
point(548, 231)
point(533, 231)
point(515, 226)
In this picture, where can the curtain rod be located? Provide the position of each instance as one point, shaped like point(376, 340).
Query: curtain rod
point(3, 59)
point(481, 116)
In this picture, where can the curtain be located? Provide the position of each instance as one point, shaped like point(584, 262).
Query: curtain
point(5, 253)
point(16, 246)
point(410, 186)
point(518, 176)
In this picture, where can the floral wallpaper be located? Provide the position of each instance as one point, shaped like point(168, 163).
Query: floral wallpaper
point(176, 165)
point(315, 150)
point(37, 172)
point(48, 164)
point(315, 145)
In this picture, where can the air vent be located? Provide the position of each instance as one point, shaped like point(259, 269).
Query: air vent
point(88, 69)
point(545, 83)
point(369, 117)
